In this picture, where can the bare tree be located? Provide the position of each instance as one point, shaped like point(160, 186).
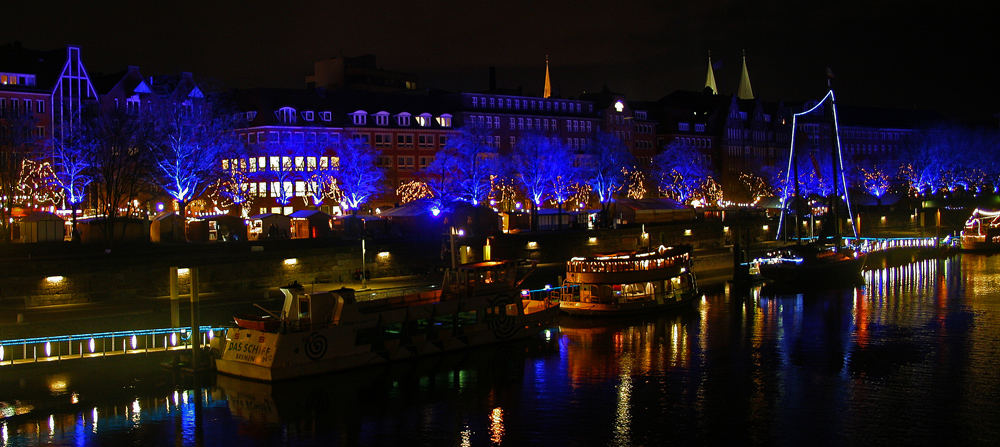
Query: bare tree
point(17, 145)
point(122, 166)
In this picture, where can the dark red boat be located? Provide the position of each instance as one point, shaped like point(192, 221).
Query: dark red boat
point(264, 323)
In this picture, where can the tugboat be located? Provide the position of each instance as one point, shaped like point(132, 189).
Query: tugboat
point(628, 283)
point(332, 331)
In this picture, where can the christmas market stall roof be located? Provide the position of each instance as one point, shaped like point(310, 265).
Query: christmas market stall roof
point(652, 211)
point(309, 214)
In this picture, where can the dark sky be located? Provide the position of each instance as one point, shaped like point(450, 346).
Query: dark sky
point(907, 54)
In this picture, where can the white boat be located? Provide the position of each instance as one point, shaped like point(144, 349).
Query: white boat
point(628, 283)
point(332, 331)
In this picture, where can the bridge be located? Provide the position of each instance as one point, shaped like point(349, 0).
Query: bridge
point(101, 344)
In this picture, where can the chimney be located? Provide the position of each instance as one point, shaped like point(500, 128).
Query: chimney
point(493, 78)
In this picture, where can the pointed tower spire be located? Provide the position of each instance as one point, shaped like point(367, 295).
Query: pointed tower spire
point(745, 91)
point(710, 79)
point(548, 85)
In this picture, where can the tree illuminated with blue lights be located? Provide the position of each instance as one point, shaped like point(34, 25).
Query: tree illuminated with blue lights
point(473, 163)
point(358, 177)
point(72, 166)
point(190, 143)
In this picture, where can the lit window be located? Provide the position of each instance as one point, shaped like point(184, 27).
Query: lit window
point(275, 161)
point(444, 120)
point(299, 163)
point(424, 120)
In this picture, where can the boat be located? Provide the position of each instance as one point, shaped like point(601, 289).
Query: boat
point(823, 261)
point(982, 231)
point(808, 265)
point(331, 331)
point(628, 283)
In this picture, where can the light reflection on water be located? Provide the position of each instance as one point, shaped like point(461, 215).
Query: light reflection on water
point(912, 357)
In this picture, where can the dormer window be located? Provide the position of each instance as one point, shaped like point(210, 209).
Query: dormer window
point(251, 115)
point(403, 119)
point(359, 118)
point(424, 120)
point(684, 127)
point(382, 118)
point(286, 115)
point(308, 115)
point(326, 116)
point(444, 120)
point(699, 127)
point(132, 104)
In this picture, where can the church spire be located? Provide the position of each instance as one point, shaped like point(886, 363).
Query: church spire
point(745, 91)
point(548, 85)
point(710, 79)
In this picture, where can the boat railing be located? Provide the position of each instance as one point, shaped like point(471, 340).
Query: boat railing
point(614, 266)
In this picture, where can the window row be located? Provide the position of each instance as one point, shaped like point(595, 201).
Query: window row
point(276, 163)
point(288, 115)
point(26, 80)
point(482, 102)
point(18, 106)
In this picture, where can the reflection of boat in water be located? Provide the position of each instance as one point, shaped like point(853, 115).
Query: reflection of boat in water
point(809, 265)
point(331, 331)
point(10, 410)
point(982, 231)
point(628, 283)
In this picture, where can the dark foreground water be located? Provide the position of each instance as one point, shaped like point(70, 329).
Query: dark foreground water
point(912, 358)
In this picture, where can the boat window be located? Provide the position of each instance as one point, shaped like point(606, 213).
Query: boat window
point(512, 309)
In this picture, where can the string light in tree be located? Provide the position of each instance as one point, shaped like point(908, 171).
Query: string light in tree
point(636, 184)
point(412, 190)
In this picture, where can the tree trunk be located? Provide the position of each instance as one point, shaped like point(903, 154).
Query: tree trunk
point(74, 235)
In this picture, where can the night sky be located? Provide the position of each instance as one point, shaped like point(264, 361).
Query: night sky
point(906, 54)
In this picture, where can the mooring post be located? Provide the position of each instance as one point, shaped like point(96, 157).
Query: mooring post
point(175, 314)
point(195, 332)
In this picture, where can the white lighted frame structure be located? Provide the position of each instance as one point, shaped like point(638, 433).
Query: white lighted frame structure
point(71, 89)
point(840, 161)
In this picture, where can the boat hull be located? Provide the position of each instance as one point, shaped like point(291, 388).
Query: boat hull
point(267, 356)
point(841, 273)
point(580, 309)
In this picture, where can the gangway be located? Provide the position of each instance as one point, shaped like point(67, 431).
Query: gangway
point(101, 344)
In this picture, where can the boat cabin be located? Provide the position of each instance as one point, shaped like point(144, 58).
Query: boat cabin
point(480, 278)
point(315, 310)
point(623, 277)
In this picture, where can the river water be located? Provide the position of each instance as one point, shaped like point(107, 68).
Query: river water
point(911, 358)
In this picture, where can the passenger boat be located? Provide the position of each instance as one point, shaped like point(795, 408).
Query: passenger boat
point(332, 331)
point(628, 283)
point(982, 231)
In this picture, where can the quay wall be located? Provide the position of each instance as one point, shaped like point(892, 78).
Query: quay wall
point(254, 270)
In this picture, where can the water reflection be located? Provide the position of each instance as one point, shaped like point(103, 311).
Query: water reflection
point(910, 357)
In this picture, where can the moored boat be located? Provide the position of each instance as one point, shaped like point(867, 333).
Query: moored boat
point(332, 331)
point(628, 283)
point(982, 231)
point(809, 265)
